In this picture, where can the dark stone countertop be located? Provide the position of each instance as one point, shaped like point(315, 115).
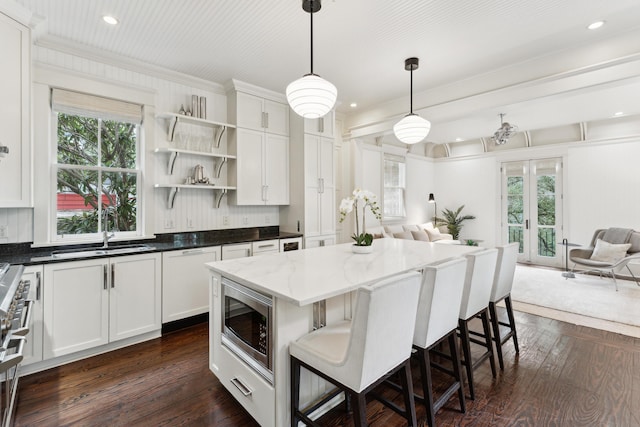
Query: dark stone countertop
point(23, 253)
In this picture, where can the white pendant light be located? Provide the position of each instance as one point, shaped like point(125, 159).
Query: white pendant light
point(311, 96)
point(412, 128)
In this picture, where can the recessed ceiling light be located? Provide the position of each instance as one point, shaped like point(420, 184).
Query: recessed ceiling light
point(110, 20)
point(595, 25)
point(618, 114)
point(459, 139)
point(353, 105)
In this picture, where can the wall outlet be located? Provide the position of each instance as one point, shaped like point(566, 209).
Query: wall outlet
point(189, 223)
point(245, 220)
point(267, 219)
point(4, 231)
point(168, 223)
point(225, 220)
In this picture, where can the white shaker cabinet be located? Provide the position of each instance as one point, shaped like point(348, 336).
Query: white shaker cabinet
point(261, 170)
point(236, 250)
point(32, 350)
point(322, 126)
point(15, 144)
point(93, 302)
point(185, 282)
point(312, 207)
point(260, 144)
point(255, 112)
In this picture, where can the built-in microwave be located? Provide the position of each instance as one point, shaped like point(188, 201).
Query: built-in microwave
point(246, 326)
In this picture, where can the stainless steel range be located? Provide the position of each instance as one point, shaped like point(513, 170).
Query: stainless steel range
point(15, 317)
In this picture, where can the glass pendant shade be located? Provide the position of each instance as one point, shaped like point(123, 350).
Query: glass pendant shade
point(311, 96)
point(412, 129)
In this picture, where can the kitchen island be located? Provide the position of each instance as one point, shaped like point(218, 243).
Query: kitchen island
point(300, 286)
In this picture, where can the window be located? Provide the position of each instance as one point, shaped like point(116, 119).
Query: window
point(394, 187)
point(97, 169)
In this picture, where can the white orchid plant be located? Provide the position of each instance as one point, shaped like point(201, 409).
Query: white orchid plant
point(361, 198)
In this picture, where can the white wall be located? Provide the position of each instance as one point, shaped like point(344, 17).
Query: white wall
point(420, 182)
point(603, 188)
point(473, 183)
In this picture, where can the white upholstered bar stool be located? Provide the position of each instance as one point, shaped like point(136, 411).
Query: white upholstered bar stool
point(436, 321)
point(475, 303)
point(359, 354)
point(502, 284)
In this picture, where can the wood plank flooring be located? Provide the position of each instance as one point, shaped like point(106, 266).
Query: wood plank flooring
point(565, 375)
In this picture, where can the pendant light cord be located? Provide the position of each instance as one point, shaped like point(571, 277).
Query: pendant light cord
point(411, 92)
point(311, 13)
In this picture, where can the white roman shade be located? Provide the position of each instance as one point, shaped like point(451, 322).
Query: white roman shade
point(82, 104)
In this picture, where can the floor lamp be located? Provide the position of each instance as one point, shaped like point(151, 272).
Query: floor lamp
point(435, 207)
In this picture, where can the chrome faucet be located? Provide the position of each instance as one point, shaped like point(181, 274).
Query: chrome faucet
point(105, 234)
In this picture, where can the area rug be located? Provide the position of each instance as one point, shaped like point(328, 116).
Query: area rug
point(584, 295)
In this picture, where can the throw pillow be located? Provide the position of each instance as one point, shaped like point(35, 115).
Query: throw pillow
point(420, 235)
point(434, 234)
point(403, 235)
point(609, 252)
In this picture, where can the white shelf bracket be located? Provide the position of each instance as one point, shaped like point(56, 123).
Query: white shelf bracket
point(218, 166)
point(172, 162)
point(217, 134)
point(173, 123)
point(218, 197)
point(173, 192)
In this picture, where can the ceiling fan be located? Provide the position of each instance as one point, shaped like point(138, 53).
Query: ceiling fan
point(504, 132)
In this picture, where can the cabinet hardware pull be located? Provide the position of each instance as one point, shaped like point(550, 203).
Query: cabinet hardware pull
point(38, 280)
point(266, 193)
point(243, 388)
point(322, 185)
point(104, 278)
point(113, 275)
point(321, 125)
point(266, 122)
point(266, 246)
point(192, 251)
point(526, 224)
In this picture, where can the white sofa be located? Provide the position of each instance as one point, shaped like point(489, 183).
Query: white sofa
point(424, 232)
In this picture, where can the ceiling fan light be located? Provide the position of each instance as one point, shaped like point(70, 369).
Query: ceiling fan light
point(412, 129)
point(311, 96)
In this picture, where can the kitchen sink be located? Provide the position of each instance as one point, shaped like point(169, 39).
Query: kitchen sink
point(92, 252)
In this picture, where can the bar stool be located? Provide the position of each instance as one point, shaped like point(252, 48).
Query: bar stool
point(436, 321)
point(475, 302)
point(358, 355)
point(502, 284)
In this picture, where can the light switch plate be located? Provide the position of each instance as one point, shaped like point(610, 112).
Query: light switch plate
point(4, 231)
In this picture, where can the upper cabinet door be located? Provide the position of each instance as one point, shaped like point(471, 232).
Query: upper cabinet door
point(276, 170)
point(322, 126)
point(250, 111)
point(277, 117)
point(15, 80)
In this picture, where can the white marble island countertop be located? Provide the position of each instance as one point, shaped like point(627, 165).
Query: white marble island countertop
point(306, 276)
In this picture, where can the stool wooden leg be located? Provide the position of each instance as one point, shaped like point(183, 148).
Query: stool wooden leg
point(512, 322)
point(427, 389)
point(457, 370)
point(407, 388)
point(360, 410)
point(493, 314)
point(466, 351)
point(484, 315)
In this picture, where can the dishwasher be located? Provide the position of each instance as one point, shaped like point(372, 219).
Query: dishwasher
point(185, 282)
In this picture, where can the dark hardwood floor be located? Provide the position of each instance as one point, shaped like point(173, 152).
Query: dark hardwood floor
point(565, 375)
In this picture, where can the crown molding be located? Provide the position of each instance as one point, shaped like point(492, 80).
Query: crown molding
point(111, 59)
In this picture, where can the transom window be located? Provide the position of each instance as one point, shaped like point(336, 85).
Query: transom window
point(97, 166)
point(394, 186)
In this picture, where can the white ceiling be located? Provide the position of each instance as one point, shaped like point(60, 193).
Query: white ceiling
point(533, 60)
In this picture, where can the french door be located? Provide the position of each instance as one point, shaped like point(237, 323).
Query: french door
point(532, 209)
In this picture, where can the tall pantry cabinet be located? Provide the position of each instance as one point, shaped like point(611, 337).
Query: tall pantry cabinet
point(260, 143)
point(312, 208)
point(15, 143)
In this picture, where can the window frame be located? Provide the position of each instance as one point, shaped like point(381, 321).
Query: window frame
point(47, 78)
point(403, 187)
point(100, 169)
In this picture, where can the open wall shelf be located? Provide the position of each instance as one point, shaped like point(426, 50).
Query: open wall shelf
point(219, 159)
point(218, 127)
point(174, 189)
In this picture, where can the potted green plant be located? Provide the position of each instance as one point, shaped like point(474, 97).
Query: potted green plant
point(363, 198)
point(453, 220)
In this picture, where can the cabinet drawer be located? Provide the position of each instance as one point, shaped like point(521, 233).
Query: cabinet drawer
point(247, 387)
point(265, 246)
